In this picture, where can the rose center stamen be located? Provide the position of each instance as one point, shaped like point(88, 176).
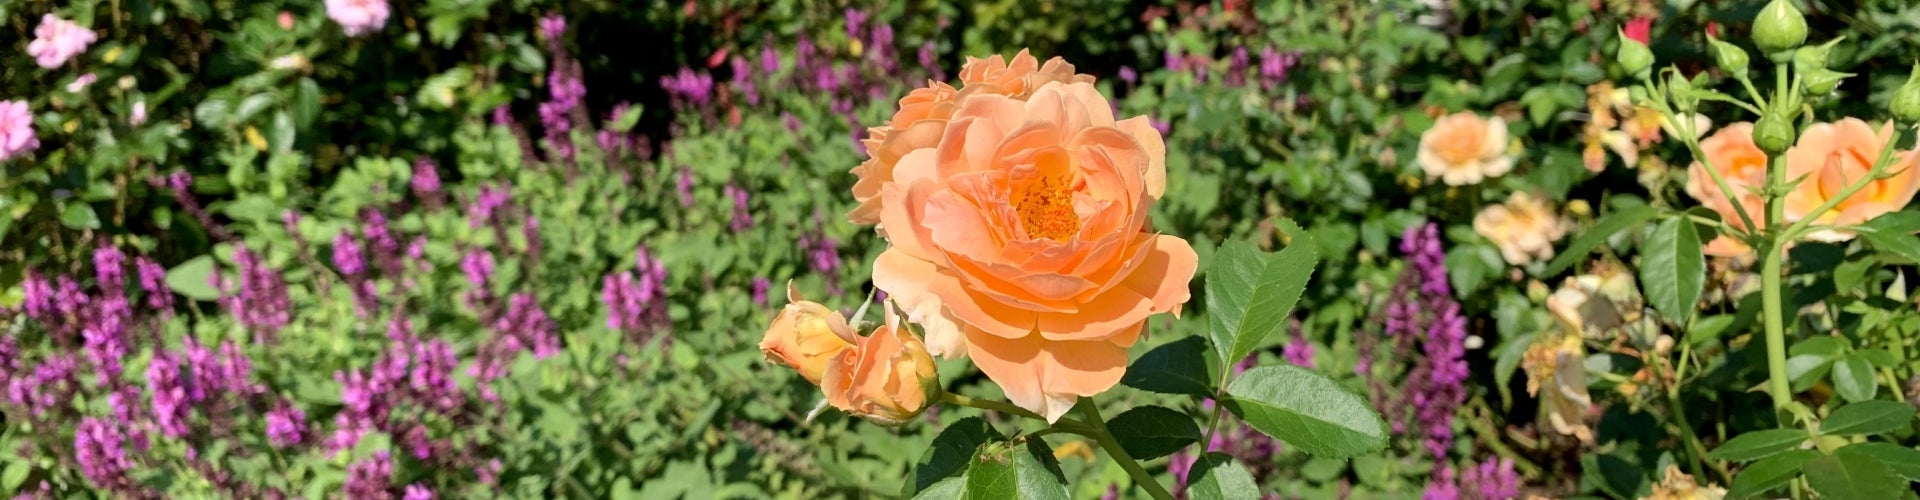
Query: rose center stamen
point(1046, 210)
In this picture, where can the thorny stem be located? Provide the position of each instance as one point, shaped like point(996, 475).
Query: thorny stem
point(1091, 412)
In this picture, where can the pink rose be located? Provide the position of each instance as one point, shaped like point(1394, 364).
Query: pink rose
point(56, 40)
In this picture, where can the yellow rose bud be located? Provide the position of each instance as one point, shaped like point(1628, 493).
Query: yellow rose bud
point(806, 336)
point(888, 377)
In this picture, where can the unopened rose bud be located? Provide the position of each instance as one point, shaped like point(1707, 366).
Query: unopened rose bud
point(1813, 58)
point(1906, 101)
point(806, 336)
point(1822, 81)
point(1778, 29)
point(1730, 57)
point(888, 377)
point(1773, 134)
point(1634, 56)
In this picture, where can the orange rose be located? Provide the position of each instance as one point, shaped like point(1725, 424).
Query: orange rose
point(1464, 148)
point(923, 115)
point(1743, 165)
point(805, 336)
point(1023, 241)
point(888, 377)
point(1524, 228)
point(1831, 156)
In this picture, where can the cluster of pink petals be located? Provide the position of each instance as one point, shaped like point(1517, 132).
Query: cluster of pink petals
point(16, 130)
point(56, 40)
point(358, 17)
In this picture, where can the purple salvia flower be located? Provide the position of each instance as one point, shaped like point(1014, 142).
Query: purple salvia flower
point(432, 376)
point(348, 428)
point(792, 122)
point(1274, 64)
point(171, 406)
point(153, 280)
point(369, 478)
point(286, 426)
point(100, 447)
point(39, 296)
point(760, 287)
point(1173, 61)
point(416, 440)
point(803, 54)
point(1127, 74)
point(1493, 479)
point(125, 404)
point(426, 178)
point(742, 217)
point(51, 384)
point(489, 201)
point(929, 58)
point(856, 21)
point(105, 338)
point(261, 301)
point(347, 255)
point(1441, 486)
point(417, 491)
point(1237, 67)
point(1161, 126)
point(110, 268)
point(553, 26)
point(478, 266)
point(235, 370)
point(69, 299)
point(769, 58)
point(684, 186)
point(488, 474)
point(1298, 351)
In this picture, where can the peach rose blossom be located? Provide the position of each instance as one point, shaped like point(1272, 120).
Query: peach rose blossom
point(923, 115)
point(1832, 155)
point(1524, 228)
point(1743, 165)
point(1557, 375)
point(1464, 148)
point(1022, 240)
point(806, 336)
point(888, 377)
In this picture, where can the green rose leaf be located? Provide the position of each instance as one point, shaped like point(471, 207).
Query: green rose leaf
point(1250, 293)
point(1904, 461)
point(190, 279)
point(1150, 432)
point(1015, 470)
point(1218, 476)
point(1673, 269)
point(1853, 477)
point(1178, 367)
point(1867, 417)
point(1770, 473)
point(1306, 410)
point(1853, 378)
point(1759, 444)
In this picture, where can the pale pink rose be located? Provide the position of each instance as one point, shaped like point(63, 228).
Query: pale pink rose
point(82, 83)
point(16, 130)
point(358, 17)
point(56, 40)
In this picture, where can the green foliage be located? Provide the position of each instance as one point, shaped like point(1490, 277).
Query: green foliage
point(1306, 410)
point(1150, 432)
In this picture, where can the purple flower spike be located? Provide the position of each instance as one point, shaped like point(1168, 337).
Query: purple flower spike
point(370, 477)
point(286, 426)
point(100, 447)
